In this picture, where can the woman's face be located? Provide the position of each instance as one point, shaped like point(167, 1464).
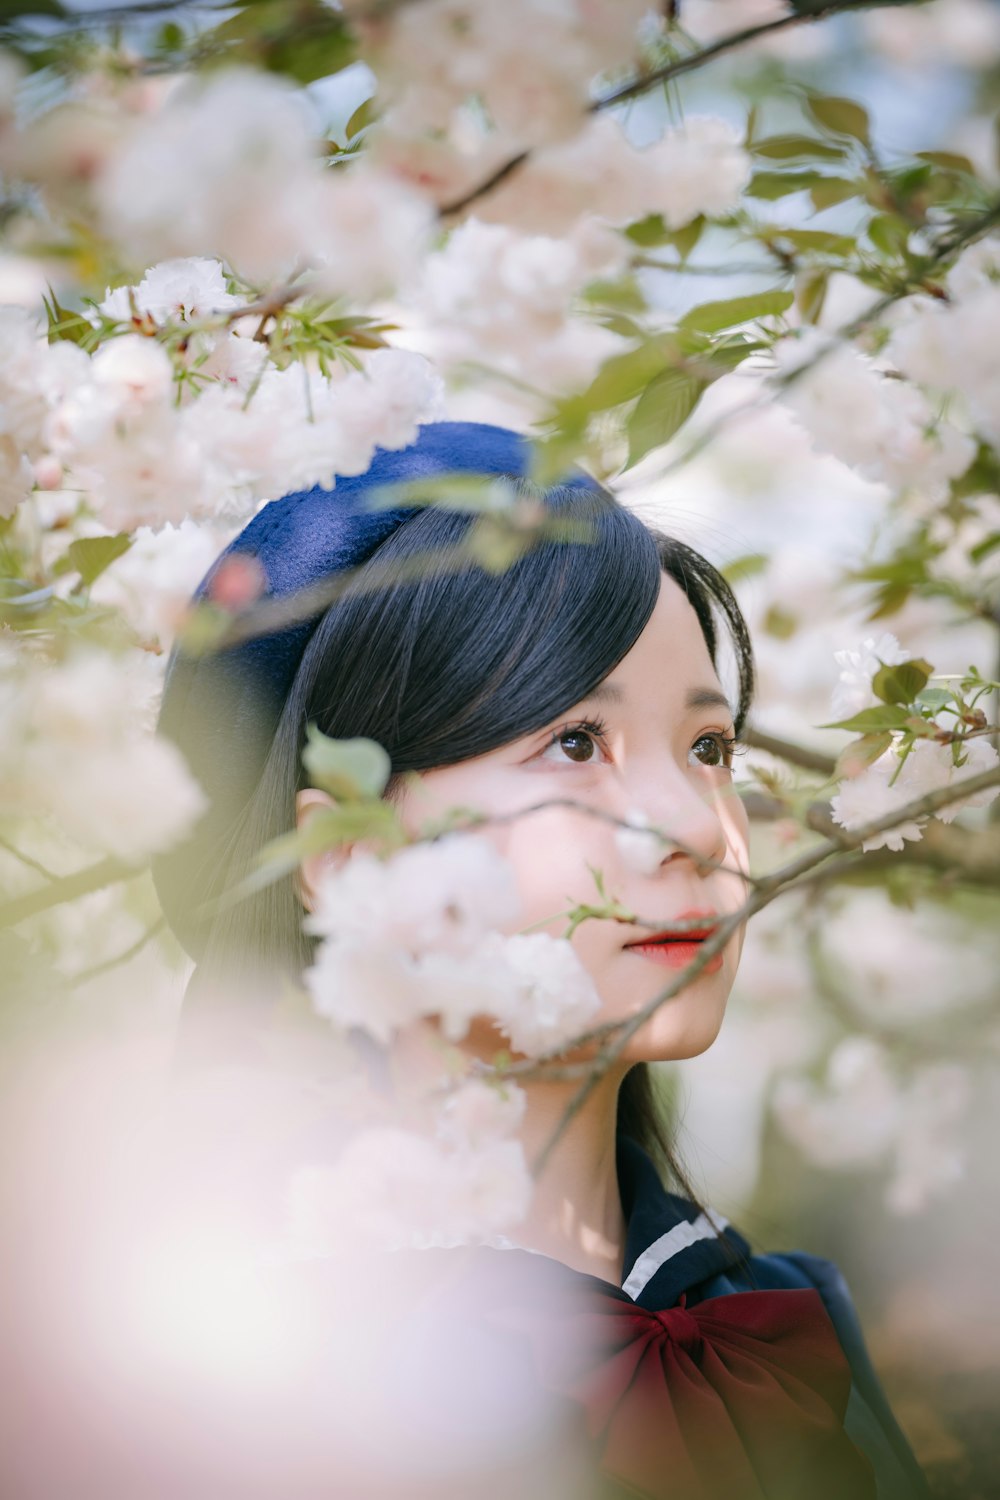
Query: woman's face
point(660, 752)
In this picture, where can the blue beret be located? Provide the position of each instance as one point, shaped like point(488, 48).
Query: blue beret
point(222, 708)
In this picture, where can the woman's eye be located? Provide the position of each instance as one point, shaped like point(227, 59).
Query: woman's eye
point(577, 743)
point(717, 750)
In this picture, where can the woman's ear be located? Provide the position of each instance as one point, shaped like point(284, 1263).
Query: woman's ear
point(314, 866)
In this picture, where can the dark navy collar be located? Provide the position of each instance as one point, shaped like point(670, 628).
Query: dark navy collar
point(671, 1244)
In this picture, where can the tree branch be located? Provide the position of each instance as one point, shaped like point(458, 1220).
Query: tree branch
point(650, 80)
point(795, 755)
point(26, 859)
point(67, 888)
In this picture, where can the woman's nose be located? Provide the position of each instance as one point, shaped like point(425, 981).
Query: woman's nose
point(689, 817)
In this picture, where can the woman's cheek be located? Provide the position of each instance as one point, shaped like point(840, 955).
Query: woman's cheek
point(550, 856)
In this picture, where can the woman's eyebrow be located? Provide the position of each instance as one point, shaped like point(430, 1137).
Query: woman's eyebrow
point(704, 697)
point(696, 697)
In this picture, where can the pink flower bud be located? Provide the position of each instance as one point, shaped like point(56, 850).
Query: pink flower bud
point(48, 473)
point(238, 581)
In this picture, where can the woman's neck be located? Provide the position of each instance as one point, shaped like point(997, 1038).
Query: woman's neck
point(576, 1212)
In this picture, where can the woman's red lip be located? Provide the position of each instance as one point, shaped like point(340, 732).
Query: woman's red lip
point(692, 935)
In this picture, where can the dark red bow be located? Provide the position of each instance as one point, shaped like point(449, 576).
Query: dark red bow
point(741, 1397)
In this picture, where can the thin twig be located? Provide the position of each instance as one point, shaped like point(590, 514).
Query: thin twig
point(650, 80)
point(728, 43)
point(96, 970)
point(26, 859)
point(615, 1035)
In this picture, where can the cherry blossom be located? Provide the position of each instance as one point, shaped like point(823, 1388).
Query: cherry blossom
point(858, 666)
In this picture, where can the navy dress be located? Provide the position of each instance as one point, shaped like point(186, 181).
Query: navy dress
point(711, 1373)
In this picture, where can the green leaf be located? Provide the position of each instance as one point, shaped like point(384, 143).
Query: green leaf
point(890, 598)
point(468, 493)
point(652, 232)
point(780, 623)
point(350, 770)
point(710, 317)
point(981, 477)
point(661, 411)
point(861, 753)
point(826, 191)
point(772, 185)
point(90, 555)
point(619, 379)
point(933, 698)
point(949, 161)
point(810, 294)
point(889, 233)
point(325, 828)
point(901, 683)
point(983, 549)
point(840, 116)
point(620, 295)
point(729, 353)
point(65, 324)
point(305, 42)
point(882, 716)
point(785, 147)
point(362, 120)
point(745, 567)
point(822, 240)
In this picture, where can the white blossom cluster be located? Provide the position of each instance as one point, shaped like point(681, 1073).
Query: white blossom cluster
point(466, 1179)
point(951, 346)
point(531, 63)
point(419, 935)
point(853, 691)
point(901, 774)
point(495, 294)
point(696, 167)
point(77, 752)
point(883, 428)
point(145, 446)
point(225, 165)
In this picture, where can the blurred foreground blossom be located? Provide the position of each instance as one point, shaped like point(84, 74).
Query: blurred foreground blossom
point(468, 1180)
point(77, 748)
point(699, 167)
point(531, 63)
point(864, 1112)
point(191, 179)
point(440, 896)
point(493, 293)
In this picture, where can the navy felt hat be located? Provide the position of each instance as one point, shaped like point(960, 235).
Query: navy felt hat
point(222, 708)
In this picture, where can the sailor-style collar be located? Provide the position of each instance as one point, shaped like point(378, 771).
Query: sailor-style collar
point(671, 1244)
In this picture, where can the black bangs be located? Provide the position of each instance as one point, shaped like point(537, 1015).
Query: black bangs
point(450, 666)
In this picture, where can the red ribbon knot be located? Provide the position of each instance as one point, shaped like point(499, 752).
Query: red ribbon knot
point(741, 1397)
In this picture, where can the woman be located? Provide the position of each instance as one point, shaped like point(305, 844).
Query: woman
point(584, 674)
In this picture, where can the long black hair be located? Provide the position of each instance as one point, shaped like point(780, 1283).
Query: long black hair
point(442, 667)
